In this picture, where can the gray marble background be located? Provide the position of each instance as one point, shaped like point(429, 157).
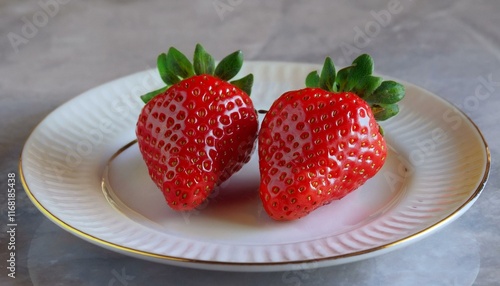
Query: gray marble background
point(53, 50)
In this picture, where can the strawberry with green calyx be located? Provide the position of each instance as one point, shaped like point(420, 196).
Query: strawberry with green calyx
point(199, 129)
point(322, 142)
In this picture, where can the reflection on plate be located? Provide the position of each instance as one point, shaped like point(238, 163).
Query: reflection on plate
point(70, 167)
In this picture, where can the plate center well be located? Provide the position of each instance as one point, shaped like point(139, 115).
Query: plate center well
point(234, 213)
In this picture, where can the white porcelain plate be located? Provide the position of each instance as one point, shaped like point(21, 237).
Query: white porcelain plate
point(76, 170)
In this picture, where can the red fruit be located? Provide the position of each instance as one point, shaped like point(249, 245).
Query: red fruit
point(317, 145)
point(194, 136)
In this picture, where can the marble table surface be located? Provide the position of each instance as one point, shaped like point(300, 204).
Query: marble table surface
point(53, 50)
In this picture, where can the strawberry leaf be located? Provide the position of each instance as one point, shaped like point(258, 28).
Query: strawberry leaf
point(165, 73)
point(342, 77)
point(148, 96)
point(363, 64)
point(179, 64)
point(383, 112)
point(381, 130)
point(244, 83)
point(389, 92)
point(327, 78)
point(361, 67)
point(366, 86)
point(229, 66)
point(312, 79)
point(203, 62)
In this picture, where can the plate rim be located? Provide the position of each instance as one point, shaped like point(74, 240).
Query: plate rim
point(269, 265)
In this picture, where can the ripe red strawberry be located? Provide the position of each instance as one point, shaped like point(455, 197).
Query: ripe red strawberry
point(198, 130)
point(322, 142)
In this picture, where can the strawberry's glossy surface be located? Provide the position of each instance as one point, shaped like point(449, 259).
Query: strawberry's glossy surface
point(195, 136)
point(316, 146)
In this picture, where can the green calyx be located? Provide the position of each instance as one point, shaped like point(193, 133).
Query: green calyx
point(174, 66)
point(382, 96)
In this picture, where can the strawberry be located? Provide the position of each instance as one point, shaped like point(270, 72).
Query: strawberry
point(320, 143)
point(198, 130)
